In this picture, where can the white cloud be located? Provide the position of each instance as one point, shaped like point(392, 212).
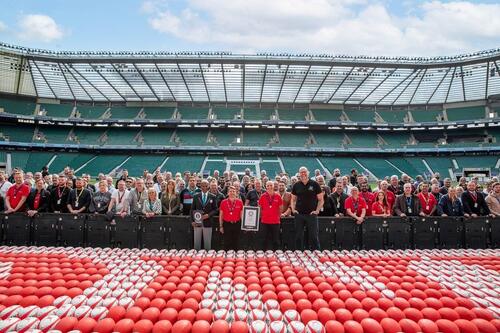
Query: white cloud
point(319, 26)
point(41, 28)
point(3, 26)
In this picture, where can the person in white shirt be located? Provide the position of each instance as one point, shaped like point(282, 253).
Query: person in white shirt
point(4, 184)
point(120, 200)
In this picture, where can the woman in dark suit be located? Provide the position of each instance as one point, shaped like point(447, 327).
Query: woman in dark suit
point(38, 200)
point(450, 205)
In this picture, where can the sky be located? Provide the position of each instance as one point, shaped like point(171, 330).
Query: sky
point(353, 27)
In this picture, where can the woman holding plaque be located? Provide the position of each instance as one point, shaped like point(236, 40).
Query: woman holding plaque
point(270, 204)
point(230, 219)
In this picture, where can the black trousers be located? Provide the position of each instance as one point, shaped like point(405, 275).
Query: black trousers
point(231, 235)
point(311, 222)
point(271, 236)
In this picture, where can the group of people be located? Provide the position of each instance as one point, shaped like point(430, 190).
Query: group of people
point(221, 199)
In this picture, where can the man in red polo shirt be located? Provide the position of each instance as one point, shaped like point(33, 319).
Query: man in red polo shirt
point(270, 204)
point(427, 201)
point(17, 195)
point(355, 206)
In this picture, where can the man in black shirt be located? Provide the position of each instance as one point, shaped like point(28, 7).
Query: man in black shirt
point(79, 198)
point(123, 177)
point(307, 201)
point(59, 196)
point(333, 181)
point(337, 200)
point(253, 196)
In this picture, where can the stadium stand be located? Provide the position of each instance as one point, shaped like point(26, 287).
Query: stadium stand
point(292, 139)
point(155, 137)
point(272, 168)
point(228, 113)
point(193, 112)
point(56, 110)
point(295, 114)
point(14, 106)
point(225, 137)
point(442, 165)
point(192, 137)
point(120, 136)
point(158, 112)
point(257, 114)
point(179, 163)
point(392, 116)
point(328, 115)
point(376, 166)
point(124, 112)
point(102, 163)
point(138, 163)
point(212, 165)
point(345, 164)
point(90, 112)
point(14, 133)
point(294, 163)
point(329, 139)
point(73, 160)
point(422, 116)
point(360, 115)
point(466, 113)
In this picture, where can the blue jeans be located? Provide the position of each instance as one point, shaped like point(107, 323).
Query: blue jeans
point(311, 222)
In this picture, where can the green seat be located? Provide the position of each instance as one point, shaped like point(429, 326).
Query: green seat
point(193, 137)
point(38, 160)
point(16, 106)
point(126, 113)
point(226, 113)
point(422, 116)
point(258, 114)
point(292, 139)
point(102, 163)
point(411, 169)
point(91, 112)
point(292, 164)
point(193, 112)
point(122, 136)
point(73, 160)
point(344, 164)
point(19, 159)
point(466, 113)
point(293, 114)
point(159, 112)
point(21, 133)
point(138, 163)
point(393, 116)
point(55, 134)
point(363, 139)
point(88, 136)
point(211, 166)
point(57, 110)
point(361, 115)
point(395, 140)
point(181, 163)
point(157, 136)
point(326, 114)
point(477, 162)
point(225, 137)
point(377, 166)
point(440, 164)
point(272, 169)
point(256, 137)
point(329, 138)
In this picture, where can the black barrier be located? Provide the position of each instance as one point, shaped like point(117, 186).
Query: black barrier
point(97, 232)
point(425, 232)
point(125, 232)
point(450, 231)
point(72, 230)
point(153, 232)
point(399, 233)
point(17, 229)
point(373, 233)
point(175, 232)
point(346, 233)
point(494, 233)
point(46, 230)
point(179, 232)
point(476, 232)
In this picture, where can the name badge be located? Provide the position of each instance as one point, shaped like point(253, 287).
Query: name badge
point(475, 205)
point(98, 205)
point(58, 201)
point(427, 207)
point(139, 205)
point(409, 210)
point(338, 204)
point(76, 204)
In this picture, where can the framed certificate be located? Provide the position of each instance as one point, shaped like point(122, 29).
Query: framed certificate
point(251, 218)
point(198, 217)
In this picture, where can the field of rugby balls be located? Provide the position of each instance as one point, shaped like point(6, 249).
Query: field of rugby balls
point(121, 290)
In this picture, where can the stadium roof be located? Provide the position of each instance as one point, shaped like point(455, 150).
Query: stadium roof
point(263, 78)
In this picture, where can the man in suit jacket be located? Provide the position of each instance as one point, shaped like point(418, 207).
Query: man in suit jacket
point(473, 201)
point(408, 204)
point(38, 200)
point(206, 203)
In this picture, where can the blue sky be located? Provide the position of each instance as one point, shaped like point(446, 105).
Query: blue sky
point(248, 26)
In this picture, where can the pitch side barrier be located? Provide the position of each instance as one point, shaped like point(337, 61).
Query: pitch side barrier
point(175, 232)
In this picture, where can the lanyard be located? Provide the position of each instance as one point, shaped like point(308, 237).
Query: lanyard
point(16, 190)
point(78, 195)
point(59, 192)
point(150, 205)
point(408, 202)
point(426, 199)
point(270, 199)
point(473, 196)
point(120, 198)
point(232, 207)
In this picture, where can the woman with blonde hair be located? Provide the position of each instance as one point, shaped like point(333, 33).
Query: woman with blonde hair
point(152, 205)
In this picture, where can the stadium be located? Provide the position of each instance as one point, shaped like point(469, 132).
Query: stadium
point(127, 118)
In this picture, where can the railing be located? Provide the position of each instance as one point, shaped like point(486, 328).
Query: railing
point(175, 232)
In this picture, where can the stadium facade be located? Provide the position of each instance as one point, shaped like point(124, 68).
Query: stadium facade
point(215, 110)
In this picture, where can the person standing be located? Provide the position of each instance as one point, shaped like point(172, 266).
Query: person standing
point(137, 197)
point(170, 199)
point(15, 200)
point(230, 215)
point(270, 204)
point(450, 205)
point(473, 201)
point(493, 200)
point(79, 198)
point(307, 201)
point(152, 205)
point(380, 207)
point(59, 196)
point(205, 202)
point(187, 194)
point(337, 200)
point(39, 199)
point(120, 204)
point(101, 198)
point(428, 201)
point(407, 204)
point(253, 196)
point(356, 206)
point(286, 197)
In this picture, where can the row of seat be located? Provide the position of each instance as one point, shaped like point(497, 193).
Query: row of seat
point(175, 232)
point(248, 113)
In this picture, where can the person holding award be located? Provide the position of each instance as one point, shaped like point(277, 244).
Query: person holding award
point(204, 207)
point(270, 204)
point(230, 219)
